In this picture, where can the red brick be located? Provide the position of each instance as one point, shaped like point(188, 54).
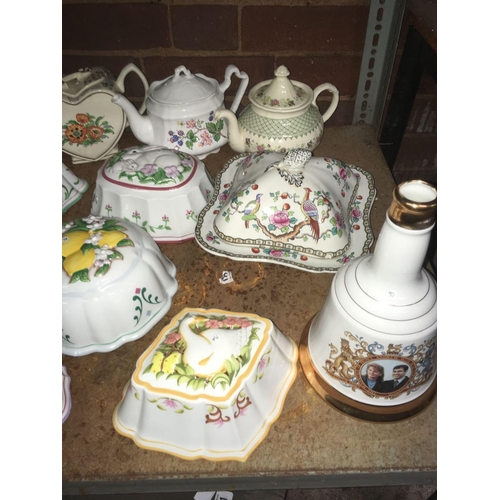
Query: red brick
point(342, 71)
point(323, 28)
point(343, 115)
point(205, 27)
point(100, 26)
point(133, 85)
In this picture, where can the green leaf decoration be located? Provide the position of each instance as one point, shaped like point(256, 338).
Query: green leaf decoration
point(211, 127)
point(148, 368)
point(219, 125)
point(161, 407)
point(189, 144)
point(102, 270)
point(82, 275)
point(220, 378)
point(125, 243)
point(86, 247)
point(183, 379)
point(191, 136)
point(137, 396)
point(115, 256)
point(180, 410)
point(159, 374)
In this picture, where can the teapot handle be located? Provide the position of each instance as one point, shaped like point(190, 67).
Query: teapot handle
point(335, 98)
point(120, 82)
point(230, 70)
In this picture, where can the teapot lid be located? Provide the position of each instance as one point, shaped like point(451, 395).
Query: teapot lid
point(281, 94)
point(183, 87)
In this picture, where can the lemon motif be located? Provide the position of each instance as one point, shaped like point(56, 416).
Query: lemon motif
point(111, 238)
point(75, 262)
point(78, 261)
point(72, 242)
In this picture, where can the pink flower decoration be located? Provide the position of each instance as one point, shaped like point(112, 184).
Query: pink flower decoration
point(206, 138)
point(280, 219)
point(213, 323)
point(170, 403)
point(343, 173)
point(277, 253)
point(172, 338)
point(191, 124)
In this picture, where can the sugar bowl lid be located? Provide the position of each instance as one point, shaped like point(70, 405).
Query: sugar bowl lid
point(281, 94)
point(183, 87)
point(150, 168)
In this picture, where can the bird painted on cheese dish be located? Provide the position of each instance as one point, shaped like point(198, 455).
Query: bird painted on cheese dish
point(251, 209)
point(310, 210)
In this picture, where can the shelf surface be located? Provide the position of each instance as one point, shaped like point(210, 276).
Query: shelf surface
point(311, 445)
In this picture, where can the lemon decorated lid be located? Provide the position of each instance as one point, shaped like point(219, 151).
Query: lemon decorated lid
point(281, 94)
point(97, 250)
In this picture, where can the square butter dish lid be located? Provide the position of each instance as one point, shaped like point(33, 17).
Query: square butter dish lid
point(209, 386)
point(312, 213)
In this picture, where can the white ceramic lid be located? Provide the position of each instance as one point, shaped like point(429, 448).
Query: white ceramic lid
point(292, 202)
point(150, 168)
point(183, 87)
point(281, 94)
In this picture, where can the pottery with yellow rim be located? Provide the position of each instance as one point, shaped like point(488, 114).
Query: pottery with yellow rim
point(209, 386)
point(116, 284)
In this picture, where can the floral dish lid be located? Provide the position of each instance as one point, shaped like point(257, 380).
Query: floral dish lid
point(295, 209)
point(281, 94)
point(150, 167)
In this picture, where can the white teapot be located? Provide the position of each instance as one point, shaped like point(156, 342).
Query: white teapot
point(282, 115)
point(181, 112)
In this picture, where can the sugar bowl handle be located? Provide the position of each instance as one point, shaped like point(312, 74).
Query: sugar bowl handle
point(230, 70)
point(120, 82)
point(335, 98)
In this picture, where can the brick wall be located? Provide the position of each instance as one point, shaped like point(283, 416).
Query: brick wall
point(319, 41)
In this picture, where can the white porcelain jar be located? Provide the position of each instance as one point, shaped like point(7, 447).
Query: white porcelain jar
point(371, 350)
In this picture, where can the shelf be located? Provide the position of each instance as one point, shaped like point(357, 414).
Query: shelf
point(311, 445)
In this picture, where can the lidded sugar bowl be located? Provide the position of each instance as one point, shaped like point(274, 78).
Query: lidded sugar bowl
point(282, 115)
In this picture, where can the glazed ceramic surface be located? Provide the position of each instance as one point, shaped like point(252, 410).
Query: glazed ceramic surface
point(66, 394)
point(181, 112)
point(91, 124)
point(382, 310)
point(159, 189)
point(293, 209)
point(209, 386)
point(116, 284)
point(282, 115)
point(72, 188)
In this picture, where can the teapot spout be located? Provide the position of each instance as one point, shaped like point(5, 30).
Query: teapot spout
point(236, 137)
point(140, 125)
